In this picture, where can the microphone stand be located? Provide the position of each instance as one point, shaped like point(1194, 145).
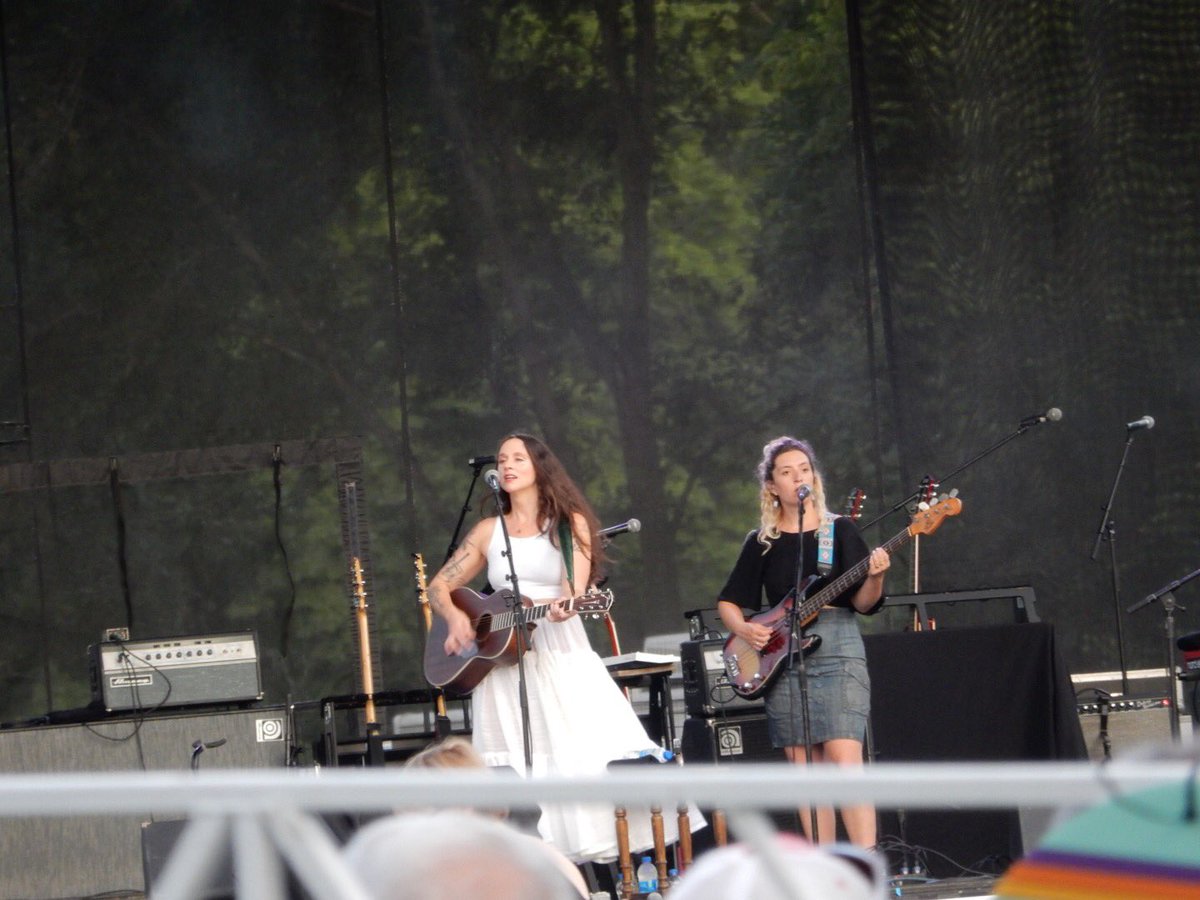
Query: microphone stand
point(1025, 425)
point(1108, 531)
point(466, 507)
point(519, 628)
point(1166, 597)
point(797, 660)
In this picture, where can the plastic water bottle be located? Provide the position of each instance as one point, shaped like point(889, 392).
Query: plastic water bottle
point(658, 753)
point(647, 876)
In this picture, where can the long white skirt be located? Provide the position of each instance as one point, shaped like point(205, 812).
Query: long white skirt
point(580, 721)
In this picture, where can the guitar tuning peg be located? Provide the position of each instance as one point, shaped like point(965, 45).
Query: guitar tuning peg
point(954, 492)
point(922, 506)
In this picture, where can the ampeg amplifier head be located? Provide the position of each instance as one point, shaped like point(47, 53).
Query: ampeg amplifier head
point(176, 671)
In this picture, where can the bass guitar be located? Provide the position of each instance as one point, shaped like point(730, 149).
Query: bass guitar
point(752, 671)
point(495, 641)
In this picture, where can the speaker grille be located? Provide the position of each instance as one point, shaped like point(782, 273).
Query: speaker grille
point(90, 855)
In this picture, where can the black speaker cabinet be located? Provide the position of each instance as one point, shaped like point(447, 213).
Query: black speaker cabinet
point(706, 689)
point(728, 739)
point(90, 855)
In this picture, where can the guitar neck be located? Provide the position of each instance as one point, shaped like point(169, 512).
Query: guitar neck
point(508, 618)
point(848, 578)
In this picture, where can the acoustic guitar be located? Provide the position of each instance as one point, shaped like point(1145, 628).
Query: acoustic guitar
point(751, 671)
point(495, 641)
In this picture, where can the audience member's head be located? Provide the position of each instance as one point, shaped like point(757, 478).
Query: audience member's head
point(457, 753)
point(449, 753)
point(739, 872)
point(432, 856)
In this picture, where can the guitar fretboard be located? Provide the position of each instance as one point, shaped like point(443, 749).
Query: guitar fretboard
point(508, 618)
point(847, 578)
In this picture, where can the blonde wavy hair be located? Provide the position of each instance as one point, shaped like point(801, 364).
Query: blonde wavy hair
point(770, 510)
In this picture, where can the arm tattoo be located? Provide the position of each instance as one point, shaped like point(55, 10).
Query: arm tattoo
point(452, 575)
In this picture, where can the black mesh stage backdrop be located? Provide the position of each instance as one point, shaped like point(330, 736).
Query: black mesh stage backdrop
point(1036, 170)
point(658, 238)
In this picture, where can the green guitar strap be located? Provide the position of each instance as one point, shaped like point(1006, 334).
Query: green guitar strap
point(566, 545)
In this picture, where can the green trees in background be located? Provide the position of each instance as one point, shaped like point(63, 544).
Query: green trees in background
point(632, 226)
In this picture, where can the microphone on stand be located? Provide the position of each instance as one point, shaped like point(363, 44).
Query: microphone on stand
point(1053, 414)
point(492, 478)
point(633, 526)
point(1138, 424)
point(802, 493)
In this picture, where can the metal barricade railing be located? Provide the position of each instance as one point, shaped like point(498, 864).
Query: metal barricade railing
point(269, 819)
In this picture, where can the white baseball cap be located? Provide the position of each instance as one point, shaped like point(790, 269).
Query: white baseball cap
point(740, 872)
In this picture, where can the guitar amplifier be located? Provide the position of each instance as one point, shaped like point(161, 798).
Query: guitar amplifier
point(180, 671)
point(706, 688)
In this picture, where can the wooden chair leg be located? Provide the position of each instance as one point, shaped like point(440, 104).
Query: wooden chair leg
point(624, 862)
point(684, 861)
point(720, 828)
point(660, 843)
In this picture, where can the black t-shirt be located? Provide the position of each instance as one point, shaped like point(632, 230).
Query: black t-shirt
point(774, 572)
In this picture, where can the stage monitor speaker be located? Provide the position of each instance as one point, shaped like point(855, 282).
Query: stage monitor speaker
point(706, 688)
point(728, 739)
point(84, 856)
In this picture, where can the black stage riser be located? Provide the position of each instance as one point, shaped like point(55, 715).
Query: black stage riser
point(86, 855)
point(961, 695)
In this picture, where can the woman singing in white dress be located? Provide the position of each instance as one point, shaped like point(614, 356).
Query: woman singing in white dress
point(579, 719)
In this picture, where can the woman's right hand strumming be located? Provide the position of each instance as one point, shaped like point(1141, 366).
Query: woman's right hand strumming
point(461, 635)
point(754, 634)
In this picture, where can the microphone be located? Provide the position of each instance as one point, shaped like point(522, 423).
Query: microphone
point(492, 477)
point(802, 492)
point(1138, 424)
point(633, 526)
point(1053, 414)
point(480, 461)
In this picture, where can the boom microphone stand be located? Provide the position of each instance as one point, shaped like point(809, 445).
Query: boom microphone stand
point(1166, 597)
point(1051, 415)
point(492, 479)
point(476, 463)
point(1108, 531)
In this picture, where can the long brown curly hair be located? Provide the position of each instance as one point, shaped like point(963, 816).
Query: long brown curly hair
point(559, 498)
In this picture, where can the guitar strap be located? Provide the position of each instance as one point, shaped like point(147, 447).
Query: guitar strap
point(825, 545)
point(566, 545)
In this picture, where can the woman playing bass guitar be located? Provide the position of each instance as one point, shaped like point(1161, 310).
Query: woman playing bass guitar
point(796, 526)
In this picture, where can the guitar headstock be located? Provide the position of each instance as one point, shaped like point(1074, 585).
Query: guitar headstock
point(927, 521)
point(360, 582)
point(927, 491)
point(422, 584)
point(854, 504)
point(594, 603)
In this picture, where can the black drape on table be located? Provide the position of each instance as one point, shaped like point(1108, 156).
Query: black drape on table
point(982, 694)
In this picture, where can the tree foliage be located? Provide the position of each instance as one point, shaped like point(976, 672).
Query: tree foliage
point(637, 227)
